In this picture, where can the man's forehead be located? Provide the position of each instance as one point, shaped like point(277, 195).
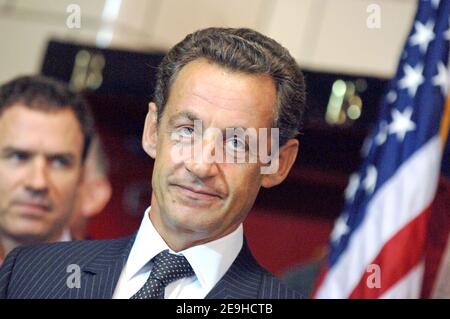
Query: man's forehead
point(202, 90)
point(40, 131)
point(20, 110)
point(194, 72)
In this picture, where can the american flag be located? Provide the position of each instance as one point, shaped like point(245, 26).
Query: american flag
point(377, 244)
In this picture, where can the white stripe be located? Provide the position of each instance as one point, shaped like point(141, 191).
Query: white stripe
point(408, 287)
point(396, 203)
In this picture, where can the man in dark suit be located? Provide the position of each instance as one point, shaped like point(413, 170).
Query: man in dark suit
point(225, 99)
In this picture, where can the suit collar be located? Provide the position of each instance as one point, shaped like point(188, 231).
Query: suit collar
point(242, 280)
point(101, 272)
point(117, 250)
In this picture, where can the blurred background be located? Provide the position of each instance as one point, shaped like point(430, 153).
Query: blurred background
point(110, 48)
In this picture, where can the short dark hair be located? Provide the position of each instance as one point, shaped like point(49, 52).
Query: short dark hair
point(46, 94)
point(241, 50)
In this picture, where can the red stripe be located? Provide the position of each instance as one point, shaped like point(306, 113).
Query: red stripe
point(320, 278)
point(399, 255)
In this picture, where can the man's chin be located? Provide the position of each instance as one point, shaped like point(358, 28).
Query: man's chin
point(193, 213)
point(29, 232)
point(27, 238)
point(197, 219)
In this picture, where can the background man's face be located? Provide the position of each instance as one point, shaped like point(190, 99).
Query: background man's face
point(40, 169)
point(201, 200)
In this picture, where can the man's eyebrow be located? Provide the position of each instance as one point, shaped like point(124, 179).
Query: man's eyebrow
point(13, 149)
point(68, 156)
point(190, 116)
point(239, 128)
point(183, 116)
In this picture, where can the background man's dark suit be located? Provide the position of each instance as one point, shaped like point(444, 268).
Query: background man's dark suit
point(43, 272)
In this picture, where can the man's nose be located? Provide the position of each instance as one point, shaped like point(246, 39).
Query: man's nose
point(38, 178)
point(203, 163)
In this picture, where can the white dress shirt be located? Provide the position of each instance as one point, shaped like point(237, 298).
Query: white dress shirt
point(209, 261)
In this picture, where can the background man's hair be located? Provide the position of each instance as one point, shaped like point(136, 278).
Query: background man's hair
point(46, 94)
point(241, 50)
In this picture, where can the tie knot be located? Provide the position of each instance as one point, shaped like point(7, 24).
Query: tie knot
point(168, 267)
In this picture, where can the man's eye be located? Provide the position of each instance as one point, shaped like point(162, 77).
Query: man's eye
point(237, 144)
point(185, 131)
point(18, 156)
point(60, 162)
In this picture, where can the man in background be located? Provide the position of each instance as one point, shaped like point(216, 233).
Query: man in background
point(45, 133)
point(95, 190)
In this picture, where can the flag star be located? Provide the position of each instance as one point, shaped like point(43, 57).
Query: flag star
point(352, 187)
point(391, 96)
point(401, 123)
point(370, 181)
point(340, 228)
point(381, 137)
point(435, 3)
point(366, 147)
point(423, 36)
point(441, 78)
point(447, 33)
point(412, 79)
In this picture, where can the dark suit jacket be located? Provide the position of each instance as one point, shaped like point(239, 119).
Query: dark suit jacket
point(44, 271)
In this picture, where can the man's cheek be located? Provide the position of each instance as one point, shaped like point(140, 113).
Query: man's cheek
point(180, 153)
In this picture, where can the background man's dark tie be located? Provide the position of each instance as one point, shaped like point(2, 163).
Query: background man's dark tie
point(167, 267)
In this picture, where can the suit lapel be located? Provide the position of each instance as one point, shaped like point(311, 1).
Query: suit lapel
point(242, 280)
point(100, 273)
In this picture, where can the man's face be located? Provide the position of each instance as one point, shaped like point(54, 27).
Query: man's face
point(40, 169)
point(205, 201)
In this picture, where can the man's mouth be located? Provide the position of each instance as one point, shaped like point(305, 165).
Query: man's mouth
point(32, 208)
point(197, 193)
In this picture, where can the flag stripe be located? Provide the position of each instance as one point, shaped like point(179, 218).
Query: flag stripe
point(409, 286)
point(398, 257)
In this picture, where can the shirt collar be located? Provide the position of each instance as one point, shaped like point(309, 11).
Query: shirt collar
point(220, 253)
point(65, 236)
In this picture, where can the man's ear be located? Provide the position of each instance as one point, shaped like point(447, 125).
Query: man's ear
point(97, 193)
point(286, 158)
point(150, 134)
